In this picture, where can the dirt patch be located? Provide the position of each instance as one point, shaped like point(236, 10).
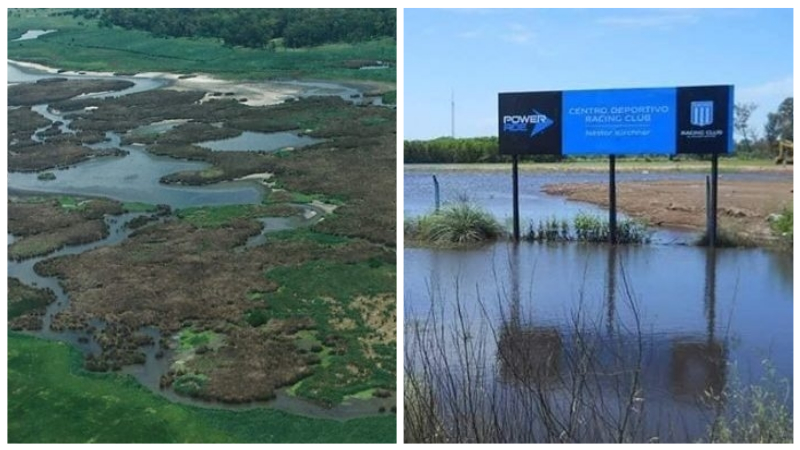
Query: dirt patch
point(251, 367)
point(254, 94)
point(380, 315)
point(744, 206)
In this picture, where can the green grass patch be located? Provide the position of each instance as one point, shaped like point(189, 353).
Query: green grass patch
point(324, 291)
point(192, 339)
point(220, 216)
point(389, 98)
point(79, 44)
point(783, 224)
point(52, 399)
point(327, 279)
point(255, 296)
point(212, 172)
point(36, 245)
point(363, 395)
point(305, 234)
point(292, 390)
point(68, 202)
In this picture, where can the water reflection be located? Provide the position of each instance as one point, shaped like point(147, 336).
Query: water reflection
point(698, 366)
point(531, 353)
point(526, 354)
point(535, 326)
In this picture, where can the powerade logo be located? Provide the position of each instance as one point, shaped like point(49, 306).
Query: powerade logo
point(520, 123)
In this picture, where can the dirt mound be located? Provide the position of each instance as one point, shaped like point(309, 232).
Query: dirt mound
point(744, 206)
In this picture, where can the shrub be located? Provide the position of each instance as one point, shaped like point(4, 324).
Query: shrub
point(783, 225)
point(459, 223)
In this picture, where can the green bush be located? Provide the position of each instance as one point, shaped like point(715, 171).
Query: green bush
point(459, 223)
point(783, 225)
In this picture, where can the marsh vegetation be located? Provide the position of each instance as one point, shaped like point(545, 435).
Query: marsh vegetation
point(159, 274)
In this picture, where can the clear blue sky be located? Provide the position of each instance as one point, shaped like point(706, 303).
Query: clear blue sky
point(478, 53)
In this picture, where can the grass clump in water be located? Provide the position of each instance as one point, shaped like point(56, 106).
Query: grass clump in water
point(586, 228)
point(459, 223)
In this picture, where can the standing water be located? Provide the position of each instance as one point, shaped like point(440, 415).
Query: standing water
point(509, 334)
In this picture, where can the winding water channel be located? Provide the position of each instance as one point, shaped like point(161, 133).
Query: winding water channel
point(135, 177)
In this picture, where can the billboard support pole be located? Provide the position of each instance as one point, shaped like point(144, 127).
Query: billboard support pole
point(712, 224)
point(515, 177)
point(612, 198)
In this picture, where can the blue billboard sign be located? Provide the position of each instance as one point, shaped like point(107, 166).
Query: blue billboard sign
point(663, 121)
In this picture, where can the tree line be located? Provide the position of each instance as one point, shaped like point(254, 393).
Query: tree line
point(779, 127)
point(257, 28)
point(447, 150)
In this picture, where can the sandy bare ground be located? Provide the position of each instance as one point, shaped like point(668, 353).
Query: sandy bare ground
point(253, 93)
point(744, 206)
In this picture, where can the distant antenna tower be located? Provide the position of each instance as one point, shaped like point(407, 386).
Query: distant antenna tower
point(452, 114)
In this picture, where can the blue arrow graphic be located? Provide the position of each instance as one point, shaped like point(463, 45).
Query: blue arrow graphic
point(538, 127)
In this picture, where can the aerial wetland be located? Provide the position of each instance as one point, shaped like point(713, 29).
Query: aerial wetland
point(193, 257)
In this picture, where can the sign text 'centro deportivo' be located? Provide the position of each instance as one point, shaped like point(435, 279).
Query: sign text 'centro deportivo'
point(617, 121)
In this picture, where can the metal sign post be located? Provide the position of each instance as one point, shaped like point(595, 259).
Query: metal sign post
point(515, 179)
point(612, 199)
point(712, 214)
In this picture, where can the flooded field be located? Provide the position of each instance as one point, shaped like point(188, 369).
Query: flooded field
point(530, 324)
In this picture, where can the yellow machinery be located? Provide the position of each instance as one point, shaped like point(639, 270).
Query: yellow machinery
point(785, 153)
